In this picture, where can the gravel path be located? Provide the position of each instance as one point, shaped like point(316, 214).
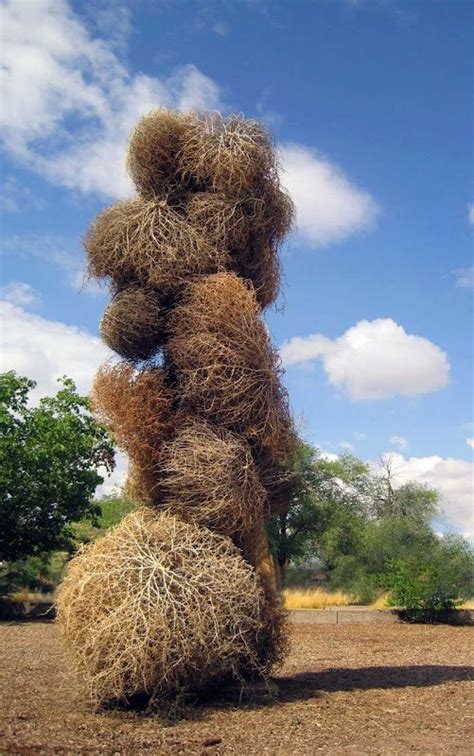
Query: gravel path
point(352, 689)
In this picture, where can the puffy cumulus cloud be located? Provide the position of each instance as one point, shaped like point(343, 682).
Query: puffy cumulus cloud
point(464, 277)
point(69, 104)
point(399, 441)
point(19, 293)
point(374, 360)
point(454, 479)
point(329, 207)
point(68, 101)
point(470, 442)
point(44, 350)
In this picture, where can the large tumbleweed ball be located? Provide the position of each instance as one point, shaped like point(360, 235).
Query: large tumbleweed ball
point(159, 607)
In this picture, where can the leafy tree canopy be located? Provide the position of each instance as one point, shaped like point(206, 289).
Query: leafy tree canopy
point(49, 460)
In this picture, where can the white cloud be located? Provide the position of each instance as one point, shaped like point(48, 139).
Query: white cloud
point(15, 196)
point(454, 478)
point(360, 436)
point(329, 207)
point(69, 103)
point(399, 441)
point(19, 293)
point(346, 446)
point(465, 277)
point(470, 442)
point(44, 350)
point(470, 212)
point(329, 456)
point(374, 360)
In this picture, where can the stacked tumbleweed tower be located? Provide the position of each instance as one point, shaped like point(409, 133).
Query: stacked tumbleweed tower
point(181, 592)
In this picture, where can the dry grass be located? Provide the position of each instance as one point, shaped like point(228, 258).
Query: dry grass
point(251, 230)
point(149, 242)
point(136, 406)
point(315, 598)
point(227, 370)
point(160, 607)
point(133, 324)
point(380, 602)
point(208, 477)
point(26, 594)
point(261, 266)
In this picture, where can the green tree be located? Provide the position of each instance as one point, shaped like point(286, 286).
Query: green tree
point(412, 500)
point(49, 459)
point(328, 494)
point(428, 584)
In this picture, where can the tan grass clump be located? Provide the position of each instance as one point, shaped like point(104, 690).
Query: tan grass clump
point(315, 598)
point(136, 406)
point(152, 153)
point(158, 607)
point(209, 477)
point(227, 371)
point(228, 154)
point(133, 324)
point(149, 242)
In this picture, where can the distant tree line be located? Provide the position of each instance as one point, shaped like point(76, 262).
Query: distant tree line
point(350, 526)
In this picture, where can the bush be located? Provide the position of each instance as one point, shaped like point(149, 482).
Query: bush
point(428, 588)
point(42, 573)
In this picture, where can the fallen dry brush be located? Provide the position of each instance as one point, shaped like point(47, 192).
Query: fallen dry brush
point(227, 154)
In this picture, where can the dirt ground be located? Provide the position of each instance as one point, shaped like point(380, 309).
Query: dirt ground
point(354, 689)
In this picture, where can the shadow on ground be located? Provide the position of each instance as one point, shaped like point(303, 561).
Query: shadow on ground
point(307, 684)
point(301, 687)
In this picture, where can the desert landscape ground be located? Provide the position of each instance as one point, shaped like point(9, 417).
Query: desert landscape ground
point(344, 689)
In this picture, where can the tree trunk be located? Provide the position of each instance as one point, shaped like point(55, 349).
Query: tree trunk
point(280, 569)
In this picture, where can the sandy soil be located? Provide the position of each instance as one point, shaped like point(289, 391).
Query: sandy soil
point(353, 689)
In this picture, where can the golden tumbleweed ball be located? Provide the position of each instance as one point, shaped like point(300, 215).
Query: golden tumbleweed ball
point(159, 606)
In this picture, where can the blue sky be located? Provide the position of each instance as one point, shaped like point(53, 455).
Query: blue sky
point(370, 101)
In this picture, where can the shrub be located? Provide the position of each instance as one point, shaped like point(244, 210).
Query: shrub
point(429, 587)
